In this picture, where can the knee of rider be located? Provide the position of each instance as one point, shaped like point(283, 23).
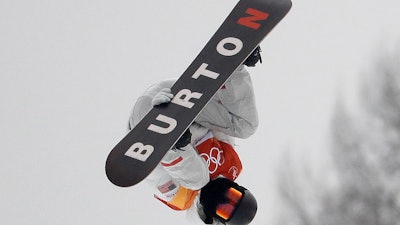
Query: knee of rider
point(249, 130)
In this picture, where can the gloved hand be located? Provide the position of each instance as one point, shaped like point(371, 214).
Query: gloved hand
point(184, 140)
point(164, 96)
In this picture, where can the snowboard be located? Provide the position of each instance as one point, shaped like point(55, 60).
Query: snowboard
point(141, 150)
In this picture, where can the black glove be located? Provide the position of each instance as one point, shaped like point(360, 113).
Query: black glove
point(253, 58)
point(184, 140)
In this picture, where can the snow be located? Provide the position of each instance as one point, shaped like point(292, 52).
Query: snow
point(71, 70)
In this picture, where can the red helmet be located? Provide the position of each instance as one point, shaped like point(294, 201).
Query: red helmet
point(228, 202)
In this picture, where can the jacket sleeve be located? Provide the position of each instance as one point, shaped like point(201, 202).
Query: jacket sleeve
point(186, 167)
point(233, 109)
point(185, 174)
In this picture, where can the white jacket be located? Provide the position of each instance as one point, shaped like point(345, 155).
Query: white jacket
point(231, 113)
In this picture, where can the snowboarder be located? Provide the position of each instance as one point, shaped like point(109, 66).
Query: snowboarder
point(198, 174)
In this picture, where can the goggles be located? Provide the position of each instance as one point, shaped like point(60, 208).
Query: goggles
point(225, 210)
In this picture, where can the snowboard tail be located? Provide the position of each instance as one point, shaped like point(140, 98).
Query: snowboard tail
point(140, 151)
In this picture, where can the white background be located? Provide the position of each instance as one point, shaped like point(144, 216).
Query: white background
point(70, 72)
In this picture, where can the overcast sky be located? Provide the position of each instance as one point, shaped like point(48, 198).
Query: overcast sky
point(70, 72)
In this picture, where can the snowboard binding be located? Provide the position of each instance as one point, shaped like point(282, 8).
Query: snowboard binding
point(253, 58)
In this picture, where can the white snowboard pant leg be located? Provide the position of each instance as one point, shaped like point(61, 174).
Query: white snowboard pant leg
point(232, 110)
